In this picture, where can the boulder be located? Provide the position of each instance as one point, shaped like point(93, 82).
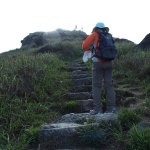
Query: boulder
point(143, 125)
point(144, 44)
point(34, 38)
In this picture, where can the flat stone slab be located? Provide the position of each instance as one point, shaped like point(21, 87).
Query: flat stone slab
point(62, 131)
point(59, 133)
point(56, 126)
point(75, 117)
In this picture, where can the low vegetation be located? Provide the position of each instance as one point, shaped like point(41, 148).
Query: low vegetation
point(31, 93)
point(32, 88)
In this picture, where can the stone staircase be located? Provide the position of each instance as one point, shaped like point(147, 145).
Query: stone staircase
point(59, 132)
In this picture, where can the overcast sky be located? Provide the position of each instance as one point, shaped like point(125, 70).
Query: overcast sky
point(126, 18)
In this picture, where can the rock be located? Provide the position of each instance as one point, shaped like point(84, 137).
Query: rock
point(123, 40)
point(85, 105)
point(75, 117)
point(34, 38)
point(143, 125)
point(144, 44)
point(61, 131)
point(37, 39)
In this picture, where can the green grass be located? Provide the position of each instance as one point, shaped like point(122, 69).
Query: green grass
point(31, 92)
point(132, 66)
point(90, 136)
point(127, 118)
point(139, 139)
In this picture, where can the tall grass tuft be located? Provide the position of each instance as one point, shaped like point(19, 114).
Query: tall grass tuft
point(127, 118)
point(139, 139)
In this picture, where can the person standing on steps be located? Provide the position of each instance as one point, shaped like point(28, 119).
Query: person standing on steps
point(101, 71)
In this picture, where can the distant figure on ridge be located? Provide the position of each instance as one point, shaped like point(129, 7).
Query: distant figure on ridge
point(75, 27)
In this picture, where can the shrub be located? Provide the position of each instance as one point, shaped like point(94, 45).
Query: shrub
point(70, 106)
point(127, 118)
point(128, 101)
point(146, 103)
point(139, 139)
point(144, 108)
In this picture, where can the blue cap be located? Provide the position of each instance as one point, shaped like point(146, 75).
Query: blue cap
point(100, 25)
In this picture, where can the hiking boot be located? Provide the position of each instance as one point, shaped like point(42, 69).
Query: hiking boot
point(94, 112)
point(112, 110)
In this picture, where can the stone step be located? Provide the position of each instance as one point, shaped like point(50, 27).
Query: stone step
point(74, 62)
point(79, 117)
point(85, 105)
point(78, 72)
point(78, 96)
point(75, 76)
point(83, 81)
point(84, 68)
point(61, 131)
point(83, 88)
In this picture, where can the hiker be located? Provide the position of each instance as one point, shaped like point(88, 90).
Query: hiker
point(101, 71)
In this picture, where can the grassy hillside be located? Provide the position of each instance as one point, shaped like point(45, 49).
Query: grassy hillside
point(32, 88)
point(31, 92)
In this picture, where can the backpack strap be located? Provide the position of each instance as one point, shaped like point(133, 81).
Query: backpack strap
point(100, 38)
point(94, 49)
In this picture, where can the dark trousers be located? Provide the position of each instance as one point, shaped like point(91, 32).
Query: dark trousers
point(102, 71)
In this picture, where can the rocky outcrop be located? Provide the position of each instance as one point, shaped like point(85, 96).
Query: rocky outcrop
point(36, 39)
point(144, 44)
point(122, 40)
